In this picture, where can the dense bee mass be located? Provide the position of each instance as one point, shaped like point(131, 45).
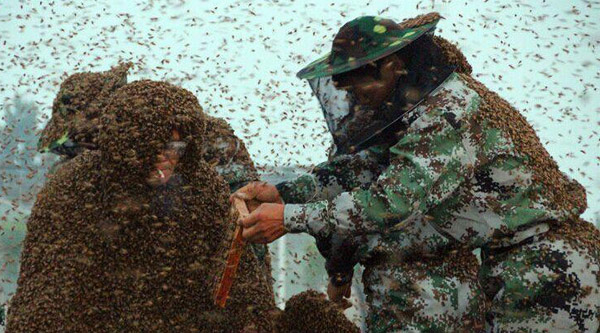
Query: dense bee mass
point(106, 252)
point(78, 104)
point(453, 55)
point(310, 312)
point(564, 194)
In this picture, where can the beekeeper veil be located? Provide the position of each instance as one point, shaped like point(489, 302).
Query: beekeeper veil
point(365, 41)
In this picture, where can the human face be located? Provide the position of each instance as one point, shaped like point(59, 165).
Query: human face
point(166, 161)
point(373, 83)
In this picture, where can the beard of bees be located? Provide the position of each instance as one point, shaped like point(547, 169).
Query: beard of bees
point(105, 252)
point(138, 124)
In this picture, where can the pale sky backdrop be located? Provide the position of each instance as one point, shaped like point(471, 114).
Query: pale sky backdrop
point(240, 59)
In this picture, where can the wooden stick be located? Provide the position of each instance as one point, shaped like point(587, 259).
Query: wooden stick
point(233, 257)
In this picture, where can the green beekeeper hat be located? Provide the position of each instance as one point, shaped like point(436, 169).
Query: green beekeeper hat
point(367, 39)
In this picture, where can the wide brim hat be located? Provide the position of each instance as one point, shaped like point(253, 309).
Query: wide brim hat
point(367, 39)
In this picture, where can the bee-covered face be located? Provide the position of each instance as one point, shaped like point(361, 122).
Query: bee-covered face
point(167, 160)
point(137, 138)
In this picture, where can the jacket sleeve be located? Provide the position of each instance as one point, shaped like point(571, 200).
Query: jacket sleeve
point(431, 161)
point(326, 180)
point(239, 169)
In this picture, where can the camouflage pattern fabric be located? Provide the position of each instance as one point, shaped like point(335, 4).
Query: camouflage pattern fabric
point(453, 177)
point(366, 39)
point(343, 173)
point(447, 167)
point(550, 283)
point(425, 294)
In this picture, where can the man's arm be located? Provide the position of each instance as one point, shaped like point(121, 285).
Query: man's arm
point(328, 179)
point(426, 167)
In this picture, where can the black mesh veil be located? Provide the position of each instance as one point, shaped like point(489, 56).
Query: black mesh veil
point(355, 127)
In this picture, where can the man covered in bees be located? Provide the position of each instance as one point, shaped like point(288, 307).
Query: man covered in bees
point(127, 235)
point(77, 108)
point(428, 165)
point(142, 188)
point(73, 128)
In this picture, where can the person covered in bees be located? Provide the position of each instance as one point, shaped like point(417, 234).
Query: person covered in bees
point(119, 241)
point(77, 108)
point(153, 223)
point(427, 165)
point(73, 127)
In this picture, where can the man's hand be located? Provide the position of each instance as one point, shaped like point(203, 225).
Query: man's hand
point(264, 224)
point(259, 191)
point(338, 294)
point(252, 204)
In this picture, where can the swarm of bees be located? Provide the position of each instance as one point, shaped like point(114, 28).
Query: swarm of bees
point(239, 58)
point(107, 252)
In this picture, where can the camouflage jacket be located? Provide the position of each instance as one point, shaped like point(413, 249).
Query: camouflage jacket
point(451, 178)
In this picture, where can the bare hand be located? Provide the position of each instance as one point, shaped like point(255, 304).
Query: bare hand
point(264, 224)
point(252, 204)
point(338, 294)
point(260, 191)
